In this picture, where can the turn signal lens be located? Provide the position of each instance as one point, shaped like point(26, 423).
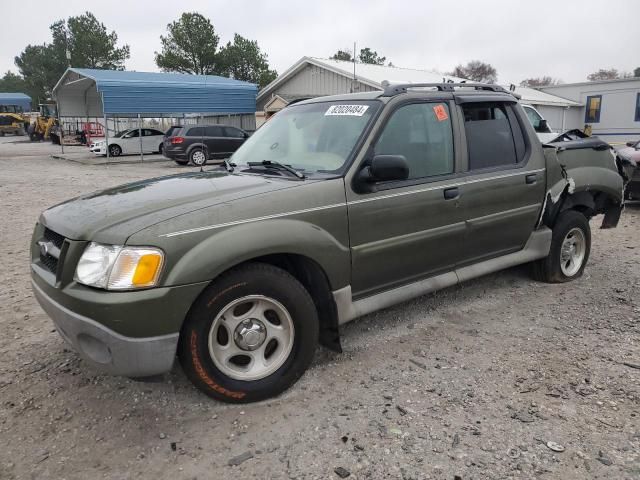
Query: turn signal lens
point(136, 267)
point(147, 269)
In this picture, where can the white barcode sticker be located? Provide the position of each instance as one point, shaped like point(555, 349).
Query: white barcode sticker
point(353, 110)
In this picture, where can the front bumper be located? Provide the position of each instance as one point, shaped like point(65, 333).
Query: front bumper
point(98, 149)
point(107, 350)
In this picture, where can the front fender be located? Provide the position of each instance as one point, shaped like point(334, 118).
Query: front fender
point(226, 248)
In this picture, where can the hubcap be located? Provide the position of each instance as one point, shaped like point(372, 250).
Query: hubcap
point(251, 337)
point(250, 334)
point(572, 252)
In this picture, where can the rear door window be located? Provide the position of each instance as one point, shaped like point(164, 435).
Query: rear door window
point(494, 137)
point(213, 131)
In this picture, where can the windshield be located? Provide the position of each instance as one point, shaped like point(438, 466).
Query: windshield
point(316, 137)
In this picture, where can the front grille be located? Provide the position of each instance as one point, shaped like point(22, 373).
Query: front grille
point(53, 237)
point(50, 258)
point(50, 262)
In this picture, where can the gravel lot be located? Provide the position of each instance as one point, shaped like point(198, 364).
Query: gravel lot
point(471, 382)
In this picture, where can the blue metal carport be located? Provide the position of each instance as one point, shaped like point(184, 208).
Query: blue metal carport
point(84, 92)
point(20, 99)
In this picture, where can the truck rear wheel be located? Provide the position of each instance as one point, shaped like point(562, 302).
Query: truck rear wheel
point(570, 248)
point(250, 335)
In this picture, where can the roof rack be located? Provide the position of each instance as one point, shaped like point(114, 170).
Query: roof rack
point(392, 89)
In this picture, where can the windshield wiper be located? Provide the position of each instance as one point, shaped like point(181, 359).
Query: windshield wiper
point(279, 166)
point(230, 166)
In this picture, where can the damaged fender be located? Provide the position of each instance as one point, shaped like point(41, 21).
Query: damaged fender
point(583, 174)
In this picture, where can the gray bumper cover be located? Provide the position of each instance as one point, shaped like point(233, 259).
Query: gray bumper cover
point(107, 350)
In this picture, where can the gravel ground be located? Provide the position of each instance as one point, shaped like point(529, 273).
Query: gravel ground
point(471, 382)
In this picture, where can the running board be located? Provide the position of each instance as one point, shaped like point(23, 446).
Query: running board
point(537, 247)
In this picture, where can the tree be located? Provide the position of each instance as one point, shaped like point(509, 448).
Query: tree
point(243, 60)
point(476, 71)
point(603, 74)
point(89, 45)
point(11, 82)
point(40, 70)
point(366, 55)
point(369, 56)
point(344, 55)
point(190, 46)
point(540, 82)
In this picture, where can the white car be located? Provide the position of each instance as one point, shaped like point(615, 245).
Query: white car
point(540, 125)
point(128, 142)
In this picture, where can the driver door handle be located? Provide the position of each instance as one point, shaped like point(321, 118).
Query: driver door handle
point(451, 193)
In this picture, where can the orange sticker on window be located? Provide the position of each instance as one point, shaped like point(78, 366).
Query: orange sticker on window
point(441, 113)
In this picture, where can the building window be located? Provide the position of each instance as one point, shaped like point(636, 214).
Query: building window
point(592, 112)
point(637, 119)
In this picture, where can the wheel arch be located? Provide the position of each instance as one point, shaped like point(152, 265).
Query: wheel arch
point(310, 254)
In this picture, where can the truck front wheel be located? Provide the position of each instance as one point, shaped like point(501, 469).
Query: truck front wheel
point(570, 248)
point(250, 335)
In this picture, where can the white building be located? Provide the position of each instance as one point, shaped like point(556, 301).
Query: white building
point(313, 77)
point(611, 107)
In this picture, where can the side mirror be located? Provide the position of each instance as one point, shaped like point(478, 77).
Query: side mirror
point(385, 168)
point(245, 134)
point(631, 144)
point(543, 126)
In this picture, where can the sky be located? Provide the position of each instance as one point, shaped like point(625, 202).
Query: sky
point(565, 39)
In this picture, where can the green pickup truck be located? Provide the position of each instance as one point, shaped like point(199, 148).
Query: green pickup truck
point(336, 207)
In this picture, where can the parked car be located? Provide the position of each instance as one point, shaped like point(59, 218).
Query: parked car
point(631, 153)
point(128, 142)
point(199, 143)
point(335, 208)
point(539, 124)
point(171, 130)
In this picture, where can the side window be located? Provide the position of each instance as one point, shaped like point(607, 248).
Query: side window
point(213, 131)
point(422, 133)
point(494, 137)
point(592, 111)
point(133, 134)
point(196, 132)
point(148, 133)
point(233, 132)
point(534, 118)
point(637, 117)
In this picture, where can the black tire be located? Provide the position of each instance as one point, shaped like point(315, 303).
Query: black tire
point(181, 162)
point(198, 156)
point(161, 149)
point(250, 279)
point(550, 269)
point(115, 150)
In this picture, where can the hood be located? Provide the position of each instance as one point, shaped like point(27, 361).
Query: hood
point(112, 215)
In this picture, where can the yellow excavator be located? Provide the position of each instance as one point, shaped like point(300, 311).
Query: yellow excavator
point(43, 127)
point(13, 120)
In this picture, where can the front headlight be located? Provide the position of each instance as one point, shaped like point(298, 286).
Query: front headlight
point(113, 267)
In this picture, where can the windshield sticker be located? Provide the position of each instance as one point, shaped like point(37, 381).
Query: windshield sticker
point(352, 110)
point(441, 113)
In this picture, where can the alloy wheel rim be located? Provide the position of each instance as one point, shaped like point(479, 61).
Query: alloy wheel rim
point(198, 157)
point(251, 337)
point(572, 252)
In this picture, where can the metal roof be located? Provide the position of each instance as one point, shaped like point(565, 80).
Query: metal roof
point(536, 97)
point(124, 92)
point(15, 98)
point(374, 75)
